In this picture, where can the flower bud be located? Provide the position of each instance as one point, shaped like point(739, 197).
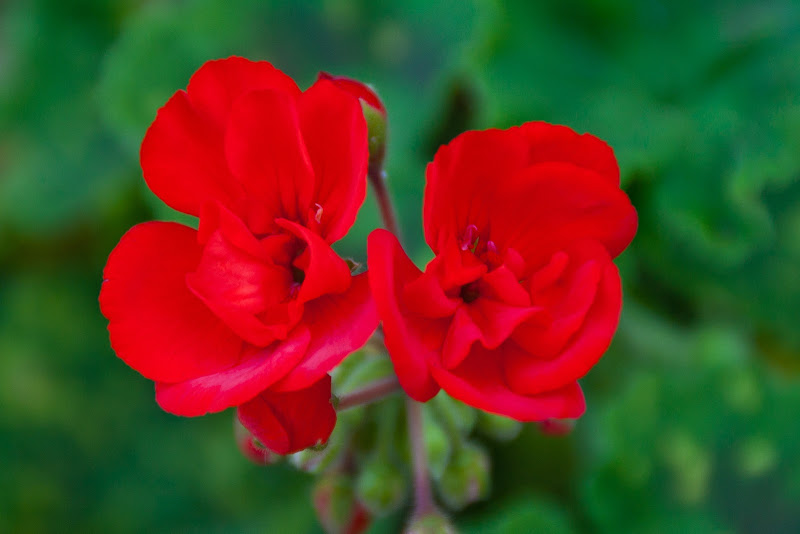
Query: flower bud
point(466, 478)
point(498, 427)
point(374, 114)
point(250, 448)
point(557, 427)
point(437, 444)
point(337, 509)
point(431, 523)
point(381, 487)
point(317, 460)
point(460, 415)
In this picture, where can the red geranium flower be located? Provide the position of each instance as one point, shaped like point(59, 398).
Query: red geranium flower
point(254, 308)
point(522, 298)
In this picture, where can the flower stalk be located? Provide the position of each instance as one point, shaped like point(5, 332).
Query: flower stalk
point(370, 393)
point(423, 497)
point(377, 177)
point(424, 504)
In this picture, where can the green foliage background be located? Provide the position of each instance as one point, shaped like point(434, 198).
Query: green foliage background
point(692, 415)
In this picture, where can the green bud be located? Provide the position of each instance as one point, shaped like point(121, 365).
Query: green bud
point(466, 478)
point(318, 459)
point(437, 443)
point(376, 128)
point(374, 114)
point(431, 523)
point(458, 414)
point(337, 509)
point(498, 427)
point(381, 486)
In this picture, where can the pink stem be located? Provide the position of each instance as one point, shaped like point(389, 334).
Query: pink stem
point(423, 497)
point(370, 393)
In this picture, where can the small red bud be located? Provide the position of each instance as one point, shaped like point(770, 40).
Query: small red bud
point(250, 448)
point(433, 522)
point(374, 114)
point(557, 427)
point(337, 509)
point(357, 89)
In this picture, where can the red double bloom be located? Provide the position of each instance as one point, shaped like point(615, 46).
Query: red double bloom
point(522, 297)
point(254, 308)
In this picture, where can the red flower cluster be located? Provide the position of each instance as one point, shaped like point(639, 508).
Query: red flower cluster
point(254, 308)
point(521, 299)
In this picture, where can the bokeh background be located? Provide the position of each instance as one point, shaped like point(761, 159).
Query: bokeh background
point(692, 421)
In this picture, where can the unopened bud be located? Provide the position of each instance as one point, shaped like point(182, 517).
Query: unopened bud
point(381, 486)
point(458, 414)
point(250, 448)
point(557, 427)
point(437, 444)
point(466, 478)
point(498, 427)
point(318, 459)
point(431, 523)
point(337, 509)
point(374, 114)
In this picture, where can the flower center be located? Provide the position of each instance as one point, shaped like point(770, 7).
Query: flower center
point(469, 292)
point(298, 275)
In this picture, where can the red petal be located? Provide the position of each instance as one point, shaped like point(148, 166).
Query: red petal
point(389, 271)
point(291, 421)
point(567, 300)
point(215, 217)
point(464, 178)
point(339, 325)
point(239, 287)
point(325, 272)
point(335, 136)
point(503, 285)
point(157, 326)
point(479, 382)
point(550, 142)
point(426, 297)
point(182, 153)
point(529, 375)
point(218, 84)
point(485, 320)
point(551, 205)
point(267, 154)
point(257, 371)
point(496, 320)
point(547, 275)
point(183, 159)
point(461, 334)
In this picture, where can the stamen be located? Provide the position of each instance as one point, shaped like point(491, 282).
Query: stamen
point(491, 247)
point(294, 289)
point(470, 236)
point(318, 214)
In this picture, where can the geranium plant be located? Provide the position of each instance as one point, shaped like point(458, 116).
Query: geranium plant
point(254, 310)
